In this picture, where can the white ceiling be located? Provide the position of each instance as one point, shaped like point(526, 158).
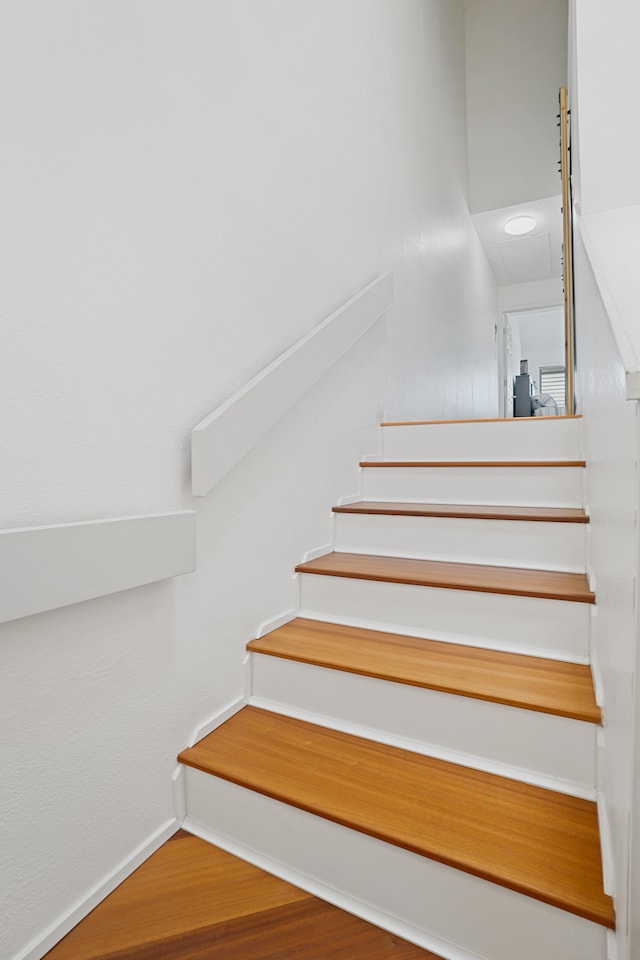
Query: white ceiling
point(535, 256)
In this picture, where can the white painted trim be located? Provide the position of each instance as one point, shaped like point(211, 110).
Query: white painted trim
point(59, 928)
point(344, 501)
point(606, 846)
point(317, 552)
point(47, 567)
point(324, 891)
point(596, 232)
point(269, 625)
point(217, 720)
point(429, 750)
point(223, 438)
point(596, 671)
point(178, 793)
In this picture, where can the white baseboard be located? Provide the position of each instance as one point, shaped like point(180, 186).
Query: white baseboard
point(359, 908)
point(179, 794)
point(41, 944)
point(317, 552)
point(606, 846)
point(275, 622)
point(217, 720)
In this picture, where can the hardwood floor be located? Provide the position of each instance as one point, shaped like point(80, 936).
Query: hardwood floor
point(534, 683)
point(192, 901)
point(534, 841)
point(516, 581)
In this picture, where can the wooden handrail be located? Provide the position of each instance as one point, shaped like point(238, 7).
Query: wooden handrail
point(567, 246)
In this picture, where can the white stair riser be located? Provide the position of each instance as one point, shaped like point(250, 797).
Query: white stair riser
point(534, 747)
point(549, 628)
point(522, 486)
point(460, 915)
point(531, 544)
point(539, 439)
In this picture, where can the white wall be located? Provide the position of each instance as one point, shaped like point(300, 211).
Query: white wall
point(537, 293)
point(612, 483)
point(606, 66)
point(193, 186)
point(516, 63)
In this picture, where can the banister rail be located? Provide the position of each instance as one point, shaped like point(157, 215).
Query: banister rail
point(223, 438)
point(567, 247)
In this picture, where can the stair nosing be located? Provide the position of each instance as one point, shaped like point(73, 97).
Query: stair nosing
point(261, 645)
point(601, 913)
point(318, 567)
point(398, 508)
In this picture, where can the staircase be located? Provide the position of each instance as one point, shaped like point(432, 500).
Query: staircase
point(419, 742)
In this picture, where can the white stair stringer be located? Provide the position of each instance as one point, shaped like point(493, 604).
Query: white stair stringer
point(557, 629)
point(541, 438)
point(499, 486)
point(455, 914)
point(548, 751)
point(537, 545)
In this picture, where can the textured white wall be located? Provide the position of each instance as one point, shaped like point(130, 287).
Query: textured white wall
point(606, 65)
point(612, 483)
point(538, 293)
point(516, 63)
point(193, 186)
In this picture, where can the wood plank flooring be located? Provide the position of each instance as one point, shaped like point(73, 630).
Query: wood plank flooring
point(192, 901)
point(534, 683)
point(465, 511)
point(537, 842)
point(546, 584)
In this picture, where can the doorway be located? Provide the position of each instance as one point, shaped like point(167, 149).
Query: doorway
point(535, 338)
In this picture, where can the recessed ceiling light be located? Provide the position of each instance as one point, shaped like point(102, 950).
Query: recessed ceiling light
point(519, 225)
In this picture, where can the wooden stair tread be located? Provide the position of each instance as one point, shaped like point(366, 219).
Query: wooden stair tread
point(546, 584)
point(534, 841)
point(419, 423)
point(465, 511)
point(533, 683)
point(193, 901)
point(473, 463)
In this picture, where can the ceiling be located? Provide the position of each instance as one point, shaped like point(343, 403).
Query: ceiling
point(534, 256)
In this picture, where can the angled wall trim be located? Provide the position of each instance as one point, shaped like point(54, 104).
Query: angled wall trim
point(223, 438)
point(48, 567)
point(611, 243)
